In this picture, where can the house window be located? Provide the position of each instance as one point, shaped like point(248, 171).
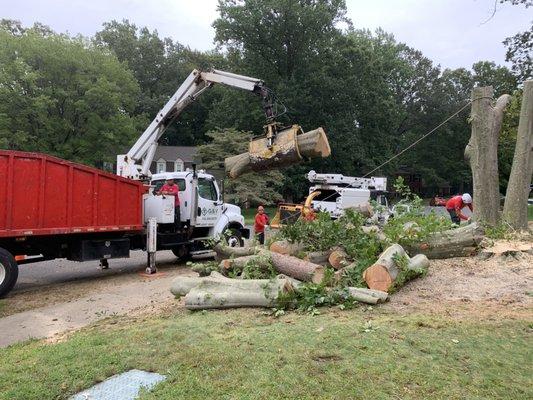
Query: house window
point(161, 166)
point(178, 165)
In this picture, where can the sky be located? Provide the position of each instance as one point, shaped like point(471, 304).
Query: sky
point(453, 33)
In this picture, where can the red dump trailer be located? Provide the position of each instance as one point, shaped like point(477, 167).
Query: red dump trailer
point(53, 208)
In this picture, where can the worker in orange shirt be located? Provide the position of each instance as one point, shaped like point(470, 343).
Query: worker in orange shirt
point(455, 205)
point(171, 189)
point(261, 220)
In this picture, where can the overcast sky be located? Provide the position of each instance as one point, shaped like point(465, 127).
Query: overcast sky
point(450, 32)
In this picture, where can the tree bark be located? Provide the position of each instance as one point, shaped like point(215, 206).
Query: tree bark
point(261, 261)
point(311, 144)
point(338, 258)
point(183, 284)
point(515, 208)
point(385, 273)
point(317, 257)
point(223, 251)
point(482, 153)
point(286, 247)
point(368, 296)
point(296, 268)
point(232, 293)
point(459, 242)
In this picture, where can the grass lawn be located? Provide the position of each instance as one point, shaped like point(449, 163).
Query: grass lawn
point(249, 214)
point(530, 213)
point(243, 354)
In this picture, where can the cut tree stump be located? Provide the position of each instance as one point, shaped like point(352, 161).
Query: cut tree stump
point(296, 268)
point(385, 272)
point(338, 258)
point(286, 247)
point(458, 242)
point(310, 144)
point(233, 293)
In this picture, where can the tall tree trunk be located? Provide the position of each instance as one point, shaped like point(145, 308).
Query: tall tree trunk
point(515, 208)
point(482, 153)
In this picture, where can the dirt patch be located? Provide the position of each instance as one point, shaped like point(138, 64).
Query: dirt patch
point(495, 288)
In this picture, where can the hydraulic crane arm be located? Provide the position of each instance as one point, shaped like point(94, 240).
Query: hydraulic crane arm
point(136, 164)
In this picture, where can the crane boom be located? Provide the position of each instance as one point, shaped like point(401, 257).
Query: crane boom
point(136, 163)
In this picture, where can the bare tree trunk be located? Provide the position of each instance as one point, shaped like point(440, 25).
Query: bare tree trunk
point(515, 208)
point(482, 153)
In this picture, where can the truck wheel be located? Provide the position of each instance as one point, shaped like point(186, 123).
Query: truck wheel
point(9, 272)
point(181, 252)
point(235, 238)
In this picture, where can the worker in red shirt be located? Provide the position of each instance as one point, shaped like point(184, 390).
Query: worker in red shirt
point(456, 204)
point(171, 189)
point(261, 220)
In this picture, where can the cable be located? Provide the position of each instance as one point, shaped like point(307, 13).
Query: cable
point(411, 145)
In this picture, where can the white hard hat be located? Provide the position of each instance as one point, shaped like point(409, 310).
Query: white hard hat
point(467, 199)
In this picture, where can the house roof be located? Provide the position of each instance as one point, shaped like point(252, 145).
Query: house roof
point(172, 153)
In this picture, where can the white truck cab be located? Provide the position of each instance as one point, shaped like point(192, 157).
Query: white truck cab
point(205, 212)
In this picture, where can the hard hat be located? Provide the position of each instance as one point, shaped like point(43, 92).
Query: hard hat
point(467, 199)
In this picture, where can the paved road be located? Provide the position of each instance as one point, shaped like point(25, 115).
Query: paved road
point(34, 275)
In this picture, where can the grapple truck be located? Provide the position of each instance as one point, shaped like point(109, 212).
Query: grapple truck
point(53, 208)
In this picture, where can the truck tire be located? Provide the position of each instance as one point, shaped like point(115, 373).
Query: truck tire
point(9, 272)
point(235, 238)
point(182, 252)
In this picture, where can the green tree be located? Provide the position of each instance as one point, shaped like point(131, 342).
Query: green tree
point(63, 96)
point(250, 189)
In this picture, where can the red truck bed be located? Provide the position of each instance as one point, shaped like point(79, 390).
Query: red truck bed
point(44, 195)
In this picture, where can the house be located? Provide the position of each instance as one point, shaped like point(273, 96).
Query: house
point(173, 159)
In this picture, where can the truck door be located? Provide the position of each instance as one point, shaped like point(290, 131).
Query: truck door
point(209, 202)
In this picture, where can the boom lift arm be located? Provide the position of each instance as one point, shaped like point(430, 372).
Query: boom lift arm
point(136, 164)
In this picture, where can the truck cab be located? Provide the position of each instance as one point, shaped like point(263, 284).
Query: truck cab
point(202, 210)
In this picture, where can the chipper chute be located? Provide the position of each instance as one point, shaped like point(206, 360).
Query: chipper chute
point(280, 147)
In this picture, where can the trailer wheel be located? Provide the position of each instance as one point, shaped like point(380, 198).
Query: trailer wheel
point(9, 271)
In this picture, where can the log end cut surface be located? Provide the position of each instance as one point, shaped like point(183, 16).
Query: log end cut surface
point(378, 277)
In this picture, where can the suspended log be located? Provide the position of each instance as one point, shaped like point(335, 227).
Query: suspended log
point(224, 251)
point(296, 268)
point(286, 247)
point(368, 296)
point(459, 242)
point(338, 258)
point(233, 293)
point(387, 272)
point(318, 257)
point(311, 144)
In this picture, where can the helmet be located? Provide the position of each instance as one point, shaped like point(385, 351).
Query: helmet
point(467, 199)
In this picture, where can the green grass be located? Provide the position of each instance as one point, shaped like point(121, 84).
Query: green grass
point(249, 214)
point(530, 213)
point(244, 354)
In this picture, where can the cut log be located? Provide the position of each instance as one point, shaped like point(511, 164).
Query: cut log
point(386, 273)
point(318, 257)
point(296, 268)
point(365, 209)
point(338, 258)
point(311, 144)
point(286, 247)
point(223, 251)
point(261, 261)
point(183, 284)
point(368, 296)
point(232, 293)
point(459, 242)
